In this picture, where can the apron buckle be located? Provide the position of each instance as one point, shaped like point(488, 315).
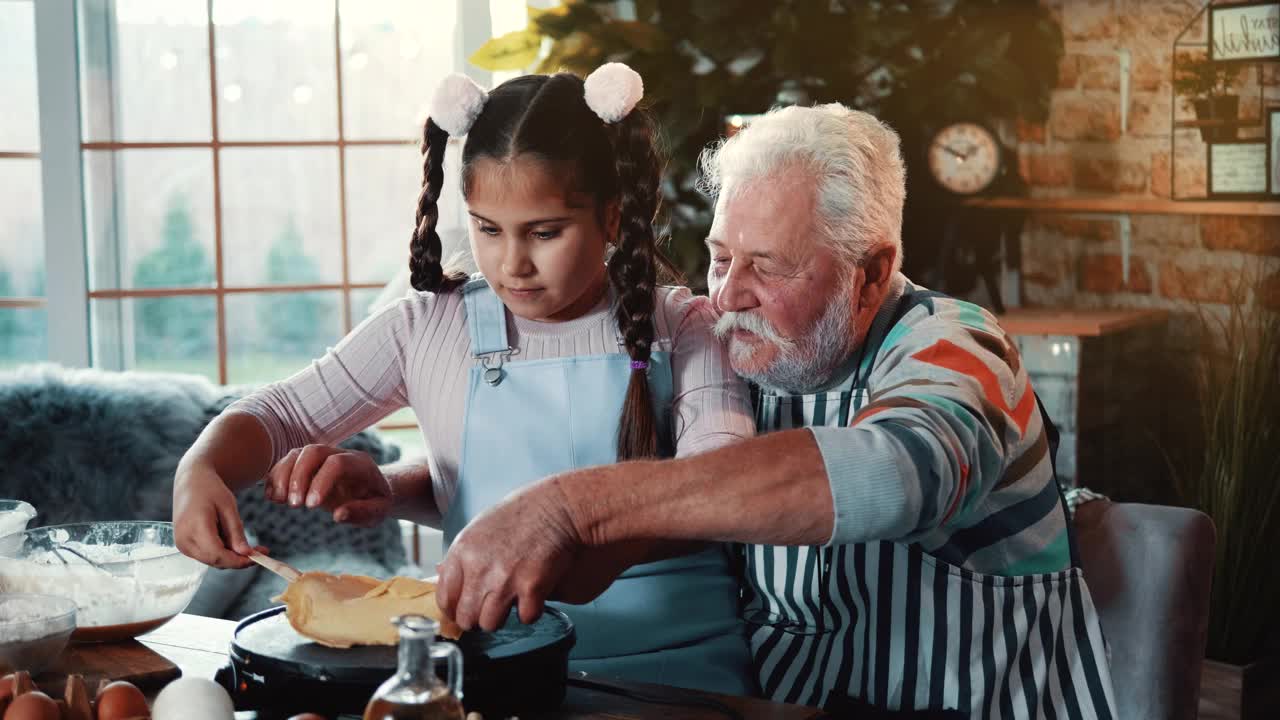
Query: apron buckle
point(492, 364)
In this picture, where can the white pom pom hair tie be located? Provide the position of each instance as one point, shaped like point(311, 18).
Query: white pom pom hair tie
point(613, 90)
point(457, 103)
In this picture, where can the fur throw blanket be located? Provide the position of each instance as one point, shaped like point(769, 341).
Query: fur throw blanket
point(87, 445)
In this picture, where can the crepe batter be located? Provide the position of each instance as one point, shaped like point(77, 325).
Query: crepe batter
point(341, 611)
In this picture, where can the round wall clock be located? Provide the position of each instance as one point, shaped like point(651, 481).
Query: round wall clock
point(964, 158)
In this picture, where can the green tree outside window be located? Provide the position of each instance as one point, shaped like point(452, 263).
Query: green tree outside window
point(181, 326)
point(293, 322)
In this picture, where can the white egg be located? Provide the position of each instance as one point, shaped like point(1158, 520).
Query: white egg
point(193, 699)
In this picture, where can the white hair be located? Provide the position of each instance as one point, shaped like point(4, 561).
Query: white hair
point(855, 159)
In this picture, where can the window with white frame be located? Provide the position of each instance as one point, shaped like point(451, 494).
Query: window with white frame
point(23, 318)
point(248, 173)
point(233, 181)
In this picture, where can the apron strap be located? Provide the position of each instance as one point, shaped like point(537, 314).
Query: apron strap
point(486, 318)
point(1054, 438)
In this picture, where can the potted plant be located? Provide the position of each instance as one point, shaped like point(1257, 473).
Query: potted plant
point(1233, 474)
point(1208, 87)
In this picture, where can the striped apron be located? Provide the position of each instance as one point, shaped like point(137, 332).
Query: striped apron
point(889, 625)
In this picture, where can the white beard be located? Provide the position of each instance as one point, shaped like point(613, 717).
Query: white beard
point(802, 365)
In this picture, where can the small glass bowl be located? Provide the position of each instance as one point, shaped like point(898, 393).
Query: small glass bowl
point(35, 642)
point(14, 516)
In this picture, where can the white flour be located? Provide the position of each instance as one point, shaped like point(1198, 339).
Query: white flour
point(141, 582)
point(24, 619)
point(103, 554)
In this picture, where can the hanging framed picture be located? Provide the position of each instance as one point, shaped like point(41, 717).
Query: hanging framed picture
point(1244, 31)
point(1273, 145)
point(1239, 169)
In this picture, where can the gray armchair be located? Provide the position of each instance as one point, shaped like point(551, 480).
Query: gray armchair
point(1149, 570)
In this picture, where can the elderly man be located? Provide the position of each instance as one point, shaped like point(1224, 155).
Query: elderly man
point(905, 545)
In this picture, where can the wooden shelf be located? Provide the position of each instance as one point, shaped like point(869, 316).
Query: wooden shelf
point(1223, 122)
point(1080, 323)
point(1122, 204)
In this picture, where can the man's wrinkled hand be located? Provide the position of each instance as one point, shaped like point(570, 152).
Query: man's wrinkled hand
point(516, 552)
point(595, 568)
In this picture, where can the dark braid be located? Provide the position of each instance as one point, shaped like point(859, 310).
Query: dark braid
point(425, 269)
point(546, 118)
point(633, 271)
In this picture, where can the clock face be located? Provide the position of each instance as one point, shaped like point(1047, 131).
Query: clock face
point(964, 158)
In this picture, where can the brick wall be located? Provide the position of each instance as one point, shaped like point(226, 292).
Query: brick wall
point(1075, 260)
point(1183, 263)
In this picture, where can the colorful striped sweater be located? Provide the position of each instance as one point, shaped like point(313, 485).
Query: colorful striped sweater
point(949, 451)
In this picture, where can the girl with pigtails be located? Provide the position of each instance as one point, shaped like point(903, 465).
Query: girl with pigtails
point(562, 353)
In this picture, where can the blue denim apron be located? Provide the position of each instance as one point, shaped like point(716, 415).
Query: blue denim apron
point(673, 622)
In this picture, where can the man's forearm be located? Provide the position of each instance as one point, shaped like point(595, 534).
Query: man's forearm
point(771, 489)
point(415, 499)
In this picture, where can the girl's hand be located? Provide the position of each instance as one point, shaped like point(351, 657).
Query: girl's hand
point(206, 522)
point(348, 484)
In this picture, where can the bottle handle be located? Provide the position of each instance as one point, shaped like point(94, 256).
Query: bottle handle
point(453, 655)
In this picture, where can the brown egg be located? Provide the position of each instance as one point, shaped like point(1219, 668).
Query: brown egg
point(6, 692)
point(15, 684)
point(120, 701)
point(34, 705)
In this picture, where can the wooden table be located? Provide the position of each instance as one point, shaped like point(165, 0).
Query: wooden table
point(198, 645)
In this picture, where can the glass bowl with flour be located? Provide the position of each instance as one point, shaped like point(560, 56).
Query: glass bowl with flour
point(126, 578)
point(34, 630)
